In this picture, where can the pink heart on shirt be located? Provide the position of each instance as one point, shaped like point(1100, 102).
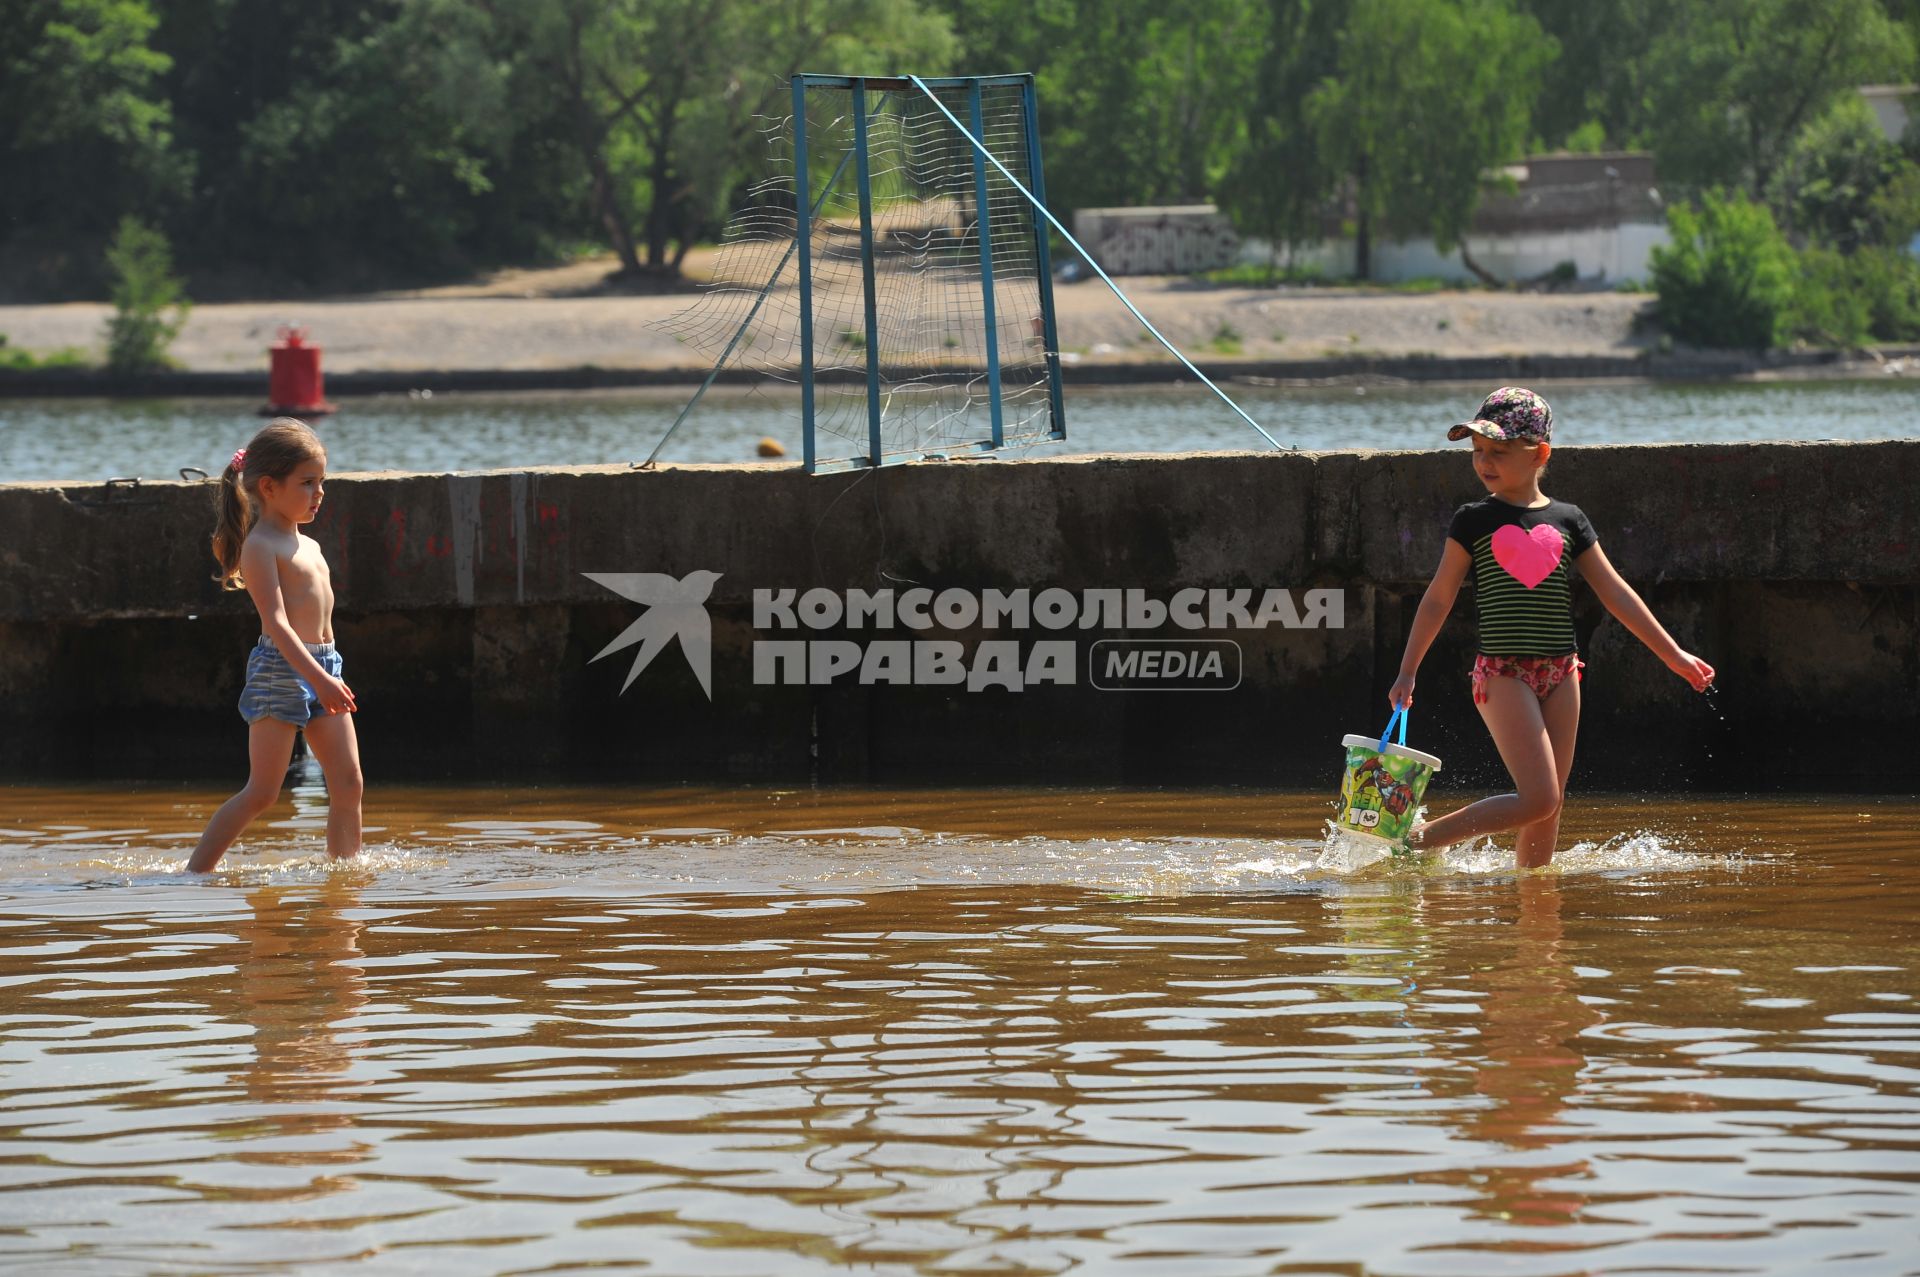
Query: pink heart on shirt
point(1528, 557)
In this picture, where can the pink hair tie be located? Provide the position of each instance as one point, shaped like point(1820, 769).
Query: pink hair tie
point(240, 459)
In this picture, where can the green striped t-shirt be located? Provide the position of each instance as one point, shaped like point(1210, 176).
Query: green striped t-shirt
point(1522, 589)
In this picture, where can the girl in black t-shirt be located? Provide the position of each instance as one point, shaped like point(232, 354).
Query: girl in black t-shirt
point(1519, 545)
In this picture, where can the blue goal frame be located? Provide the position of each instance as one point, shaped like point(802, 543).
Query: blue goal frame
point(807, 207)
point(805, 198)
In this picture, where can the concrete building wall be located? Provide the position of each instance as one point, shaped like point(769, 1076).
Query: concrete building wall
point(469, 629)
point(1892, 106)
point(1175, 240)
point(1602, 254)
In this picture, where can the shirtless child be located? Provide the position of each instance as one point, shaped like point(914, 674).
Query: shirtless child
point(274, 485)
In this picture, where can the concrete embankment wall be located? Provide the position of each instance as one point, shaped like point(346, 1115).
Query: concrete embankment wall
point(468, 626)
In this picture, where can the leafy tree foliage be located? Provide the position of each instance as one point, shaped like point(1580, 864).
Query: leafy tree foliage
point(1832, 187)
point(333, 144)
point(1731, 82)
point(85, 132)
point(144, 289)
point(1727, 278)
point(665, 100)
point(1141, 101)
point(325, 176)
point(1279, 183)
point(1598, 80)
point(1428, 96)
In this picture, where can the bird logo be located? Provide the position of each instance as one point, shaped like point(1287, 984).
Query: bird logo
point(676, 608)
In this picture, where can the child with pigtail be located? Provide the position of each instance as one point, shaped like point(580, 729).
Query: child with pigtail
point(273, 486)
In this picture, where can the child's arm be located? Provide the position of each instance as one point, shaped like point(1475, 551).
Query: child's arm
point(1435, 604)
point(261, 571)
point(1631, 611)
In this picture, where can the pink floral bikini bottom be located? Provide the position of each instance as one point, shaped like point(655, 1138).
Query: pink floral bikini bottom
point(1541, 673)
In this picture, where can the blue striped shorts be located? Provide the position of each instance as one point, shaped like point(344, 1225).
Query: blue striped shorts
point(273, 690)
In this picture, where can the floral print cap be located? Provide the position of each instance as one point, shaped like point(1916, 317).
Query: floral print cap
point(1511, 412)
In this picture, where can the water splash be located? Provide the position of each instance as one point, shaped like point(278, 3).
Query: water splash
point(475, 855)
point(1344, 852)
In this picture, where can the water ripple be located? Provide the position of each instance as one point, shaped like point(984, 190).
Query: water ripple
point(547, 1042)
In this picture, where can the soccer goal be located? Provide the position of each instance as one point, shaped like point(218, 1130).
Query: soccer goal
point(891, 266)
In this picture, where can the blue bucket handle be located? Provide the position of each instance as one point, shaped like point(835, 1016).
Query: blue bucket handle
point(1400, 716)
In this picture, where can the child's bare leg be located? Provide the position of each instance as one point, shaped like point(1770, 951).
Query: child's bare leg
point(337, 748)
point(1512, 713)
point(269, 748)
point(1535, 844)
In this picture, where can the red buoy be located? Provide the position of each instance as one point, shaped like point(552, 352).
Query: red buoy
point(293, 378)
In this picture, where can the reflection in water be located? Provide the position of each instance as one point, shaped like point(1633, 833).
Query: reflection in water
point(1113, 1033)
point(300, 978)
point(1521, 1061)
point(1532, 1025)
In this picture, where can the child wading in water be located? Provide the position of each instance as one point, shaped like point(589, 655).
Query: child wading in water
point(1526, 680)
point(274, 485)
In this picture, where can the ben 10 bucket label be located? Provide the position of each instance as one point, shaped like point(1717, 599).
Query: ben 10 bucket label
point(890, 624)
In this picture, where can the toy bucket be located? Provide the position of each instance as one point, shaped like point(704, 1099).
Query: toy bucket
point(1383, 785)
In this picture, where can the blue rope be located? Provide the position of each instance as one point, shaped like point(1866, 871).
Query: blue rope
point(981, 147)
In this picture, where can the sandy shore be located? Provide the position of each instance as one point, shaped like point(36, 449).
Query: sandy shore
point(541, 320)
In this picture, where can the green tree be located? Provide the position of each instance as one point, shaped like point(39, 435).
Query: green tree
point(1895, 208)
point(383, 154)
point(144, 289)
point(1598, 78)
point(665, 99)
point(1727, 277)
point(351, 143)
point(84, 133)
point(1426, 98)
point(1847, 299)
point(1829, 186)
point(1148, 101)
point(1907, 14)
point(1732, 82)
point(1141, 101)
point(1279, 184)
point(1853, 196)
point(1827, 309)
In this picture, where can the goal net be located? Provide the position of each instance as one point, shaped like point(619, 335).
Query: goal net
point(892, 273)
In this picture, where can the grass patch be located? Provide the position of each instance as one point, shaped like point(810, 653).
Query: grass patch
point(1254, 275)
point(1226, 340)
point(16, 359)
point(1247, 275)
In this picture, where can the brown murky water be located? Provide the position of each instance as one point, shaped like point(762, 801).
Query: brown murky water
point(1161, 1033)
